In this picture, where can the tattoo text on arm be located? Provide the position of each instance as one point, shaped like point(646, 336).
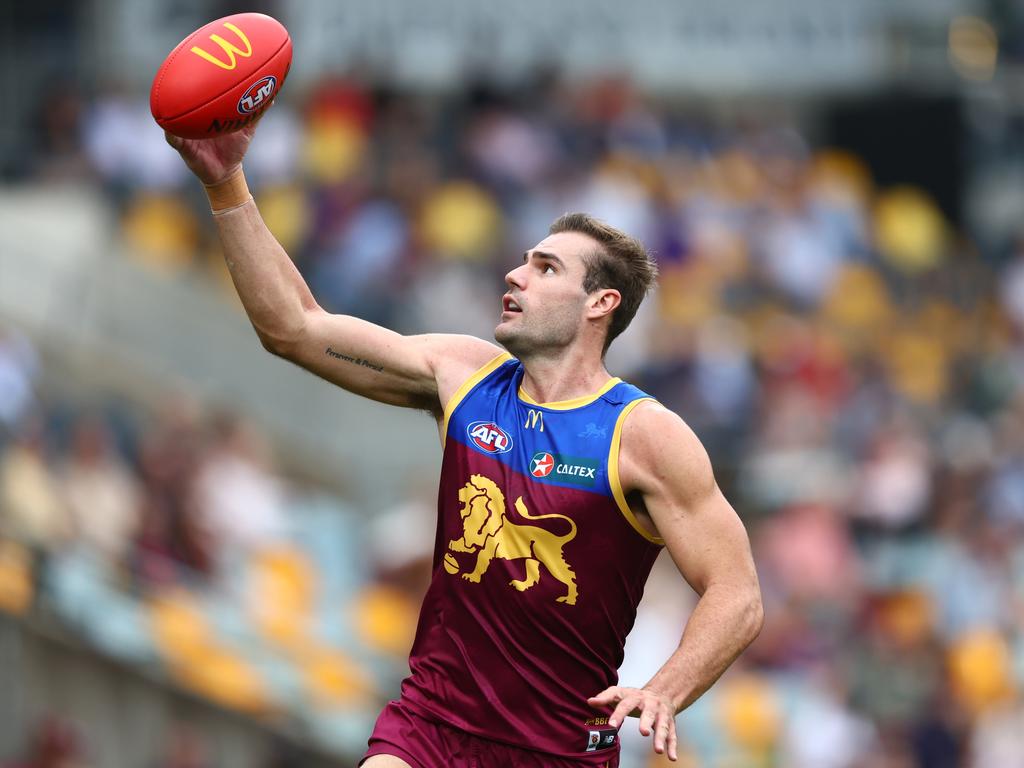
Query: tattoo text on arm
point(354, 360)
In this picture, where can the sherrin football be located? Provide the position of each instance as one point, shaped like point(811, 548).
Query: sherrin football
point(222, 76)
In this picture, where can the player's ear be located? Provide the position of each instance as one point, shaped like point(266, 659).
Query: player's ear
point(603, 302)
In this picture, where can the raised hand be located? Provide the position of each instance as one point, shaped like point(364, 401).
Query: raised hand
point(216, 158)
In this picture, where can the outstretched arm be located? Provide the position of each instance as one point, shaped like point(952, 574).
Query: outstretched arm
point(663, 463)
point(412, 371)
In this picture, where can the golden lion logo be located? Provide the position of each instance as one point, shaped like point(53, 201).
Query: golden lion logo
point(486, 531)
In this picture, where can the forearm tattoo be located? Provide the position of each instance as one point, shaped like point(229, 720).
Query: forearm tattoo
point(354, 360)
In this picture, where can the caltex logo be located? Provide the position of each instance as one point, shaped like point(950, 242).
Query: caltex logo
point(542, 464)
point(559, 468)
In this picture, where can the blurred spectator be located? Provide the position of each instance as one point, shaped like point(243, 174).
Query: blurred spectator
point(185, 749)
point(284, 755)
point(823, 731)
point(171, 533)
point(55, 743)
point(895, 479)
point(19, 367)
point(32, 507)
point(57, 133)
point(101, 493)
point(126, 147)
point(998, 738)
point(274, 158)
point(240, 501)
point(401, 540)
point(806, 552)
point(356, 267)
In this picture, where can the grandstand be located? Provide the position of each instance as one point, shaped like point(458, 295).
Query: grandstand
point(210, 558)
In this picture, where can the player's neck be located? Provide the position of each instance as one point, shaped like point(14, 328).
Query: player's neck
point(548, 380)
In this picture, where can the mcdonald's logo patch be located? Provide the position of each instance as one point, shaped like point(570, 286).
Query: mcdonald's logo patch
point(534, 420)
point(229, 50)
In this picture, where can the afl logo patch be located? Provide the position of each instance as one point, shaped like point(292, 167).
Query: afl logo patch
point(542, 464)
point(489, 437)
point(257, 95)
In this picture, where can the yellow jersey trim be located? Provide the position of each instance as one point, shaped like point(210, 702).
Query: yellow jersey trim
point(576, 402)
point(479, 375)
point(613, 473)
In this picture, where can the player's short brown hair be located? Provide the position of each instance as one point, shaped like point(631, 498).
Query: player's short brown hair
point(620, 262)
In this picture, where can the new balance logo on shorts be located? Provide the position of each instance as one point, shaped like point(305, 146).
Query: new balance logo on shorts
point(602, 739)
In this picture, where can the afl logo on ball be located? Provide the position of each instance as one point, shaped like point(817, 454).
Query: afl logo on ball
point(257, 95)
point(489, 437)
point(542, 464)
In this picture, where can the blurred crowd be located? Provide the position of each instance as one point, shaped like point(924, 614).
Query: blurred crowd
point(57, 742)
point(851, 359)
point(170, 538)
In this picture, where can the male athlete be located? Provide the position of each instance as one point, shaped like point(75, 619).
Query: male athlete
point(559, 486)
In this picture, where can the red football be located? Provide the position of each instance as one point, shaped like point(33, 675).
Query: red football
point(222, 76)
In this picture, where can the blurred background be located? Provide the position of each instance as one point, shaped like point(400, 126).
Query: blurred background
point(211, 559)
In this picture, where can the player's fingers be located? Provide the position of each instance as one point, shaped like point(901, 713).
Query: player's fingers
point(673, 740)
point(661, 730)
point(174, 141)
point(648, 716)
point(605, 697)
point(625, 707)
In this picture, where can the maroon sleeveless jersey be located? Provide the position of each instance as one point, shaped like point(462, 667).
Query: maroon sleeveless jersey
point(538, 567)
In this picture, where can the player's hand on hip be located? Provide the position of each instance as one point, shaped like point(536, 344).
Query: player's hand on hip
point(655, 710)
point(214, 159)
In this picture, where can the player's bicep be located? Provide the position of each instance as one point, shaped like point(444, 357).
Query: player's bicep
point(707, 541)
point(701, 530)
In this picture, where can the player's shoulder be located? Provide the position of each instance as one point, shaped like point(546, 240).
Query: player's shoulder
point(658, 438)
point(458, 350)
point(650, 418)
point(455, 358)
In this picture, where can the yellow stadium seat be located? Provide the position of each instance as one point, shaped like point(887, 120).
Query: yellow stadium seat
point(385, 619)
point(859, 302)
point(750, 712)
point(332, 679)
point(333, 149)
point(16, 585)
point(283, 585)
point(287, 214)
point(222, 676)
point(841, 177)
point(180, 628)
point(161, 231)
point(910, 230)
point(461, 221)
point(980, 670)
point(918, 363)
point(197, 660)
point(908, 617)
point(690, 293)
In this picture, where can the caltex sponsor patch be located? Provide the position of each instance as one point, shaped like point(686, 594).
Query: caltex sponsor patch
point(564, 469)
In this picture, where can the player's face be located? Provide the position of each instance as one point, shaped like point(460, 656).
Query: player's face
point(543, 310)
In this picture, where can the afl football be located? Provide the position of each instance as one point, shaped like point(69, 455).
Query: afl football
point(222, 76)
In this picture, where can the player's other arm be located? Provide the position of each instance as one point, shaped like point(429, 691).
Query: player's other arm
point(412, 371)
point(664, 463)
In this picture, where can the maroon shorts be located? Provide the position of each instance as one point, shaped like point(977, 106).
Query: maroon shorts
point(422, 743)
